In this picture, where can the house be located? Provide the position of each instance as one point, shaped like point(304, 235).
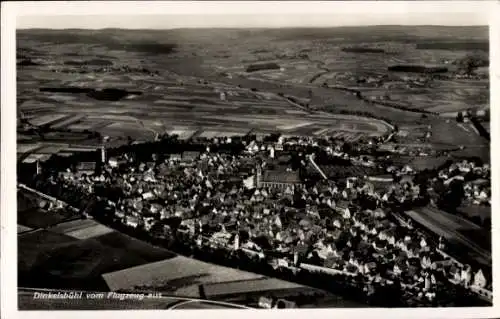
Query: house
point(265, 303)
point(175, 157)
point(119, 214)
point(457, 177)
point(385, 197)
point(427, 282)
point(466, 275)
point(379, 213)
point(345, 194)
point(337, 223)
point(87, 168)
point(336, 234)
point(479, 279)
point(149, 222)
point(397, 270)
point(190, 156)
point(407, 170)
point(381, 178)
point(114, 162)
point(330, 203)
point(406, 179)
point(455, 274)
point(383, 235)
point(379, 245)
point(132, 221)
point(423, 243)
point(343, 207)
point(426, 261)
point(147, 195)
point(370, 267)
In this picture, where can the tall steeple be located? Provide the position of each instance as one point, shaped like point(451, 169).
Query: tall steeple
point(258, 176)
point(103, 153)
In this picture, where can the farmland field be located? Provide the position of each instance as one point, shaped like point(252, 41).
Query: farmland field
point(82, 229)
point(52, 260)
point(188, 92)
point(181, 274)
point(248, 286)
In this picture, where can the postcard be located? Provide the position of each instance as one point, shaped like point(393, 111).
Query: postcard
point(323, 158)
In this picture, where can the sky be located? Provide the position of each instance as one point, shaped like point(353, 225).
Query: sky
point(246, 15)
point(214, 21)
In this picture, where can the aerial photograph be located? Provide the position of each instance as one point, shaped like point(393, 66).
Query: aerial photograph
point(226, 166)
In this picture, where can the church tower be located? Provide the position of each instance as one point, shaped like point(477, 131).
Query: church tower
point(103, 154)
point(258, 177)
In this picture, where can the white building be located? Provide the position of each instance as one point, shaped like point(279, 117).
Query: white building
point(479, 279)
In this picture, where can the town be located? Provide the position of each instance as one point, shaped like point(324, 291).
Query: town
point(279, 205)
point(283, 167)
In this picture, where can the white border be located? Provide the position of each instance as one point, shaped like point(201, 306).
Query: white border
point(10, 10)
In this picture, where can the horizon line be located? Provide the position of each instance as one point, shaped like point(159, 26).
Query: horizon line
point(261, 28)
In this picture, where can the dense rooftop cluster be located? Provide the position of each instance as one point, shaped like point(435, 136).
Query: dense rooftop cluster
point(474, 179)
point(255, 203)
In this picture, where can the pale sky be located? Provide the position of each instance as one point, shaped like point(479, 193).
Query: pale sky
point(235, 21)
point(131, 15)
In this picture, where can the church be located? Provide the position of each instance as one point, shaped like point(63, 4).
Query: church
point(281, 179)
